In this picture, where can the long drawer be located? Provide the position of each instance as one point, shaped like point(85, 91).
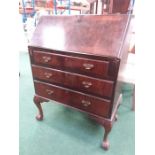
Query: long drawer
point(87, 84)
point(85, 66)
point(87, 103)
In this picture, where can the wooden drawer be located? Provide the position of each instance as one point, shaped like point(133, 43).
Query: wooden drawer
point(86, 66)
point(87, 103)
point(86, 84)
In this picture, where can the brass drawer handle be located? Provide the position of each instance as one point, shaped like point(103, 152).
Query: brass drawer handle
point(86, 103)
point(49, 92)
point(87, 84)
point(88, 66)
point(48, 75)
point(46, 58)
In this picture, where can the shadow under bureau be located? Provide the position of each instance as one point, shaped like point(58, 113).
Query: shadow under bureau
point(76, 60)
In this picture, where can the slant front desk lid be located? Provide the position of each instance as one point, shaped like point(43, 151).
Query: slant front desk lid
point(101, 35)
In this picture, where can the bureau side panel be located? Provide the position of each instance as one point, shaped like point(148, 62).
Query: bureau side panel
point(123, 58)
point(124, 50)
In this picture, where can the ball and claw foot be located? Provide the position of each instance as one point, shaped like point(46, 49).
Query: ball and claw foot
point(39, 117)
point(116, 117)
point(105, 145)
point(37, 100)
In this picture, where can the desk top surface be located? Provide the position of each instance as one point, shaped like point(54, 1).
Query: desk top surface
point(101, 35)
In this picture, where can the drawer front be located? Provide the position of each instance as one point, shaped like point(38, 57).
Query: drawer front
point(75, 64)
point(99, 87)
point(74, 99)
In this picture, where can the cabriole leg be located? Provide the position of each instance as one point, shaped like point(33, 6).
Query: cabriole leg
point(106, 143)
point(37, 100)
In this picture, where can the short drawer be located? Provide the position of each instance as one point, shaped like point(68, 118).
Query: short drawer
point(87, 103)
point(85, 66)
point(103, 88)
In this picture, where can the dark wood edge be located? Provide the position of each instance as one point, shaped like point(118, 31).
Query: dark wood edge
point(73, 53)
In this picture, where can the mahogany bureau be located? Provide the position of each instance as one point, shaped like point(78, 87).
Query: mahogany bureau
point(76, 60)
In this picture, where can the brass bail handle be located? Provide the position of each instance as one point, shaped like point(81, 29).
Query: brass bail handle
point(85, 103)
point(46, 58)
point(87, 84)
point(88, 66)
point(49, 92)
point(48, 75)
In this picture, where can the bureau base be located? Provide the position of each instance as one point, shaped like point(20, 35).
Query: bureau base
point(106, 123)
